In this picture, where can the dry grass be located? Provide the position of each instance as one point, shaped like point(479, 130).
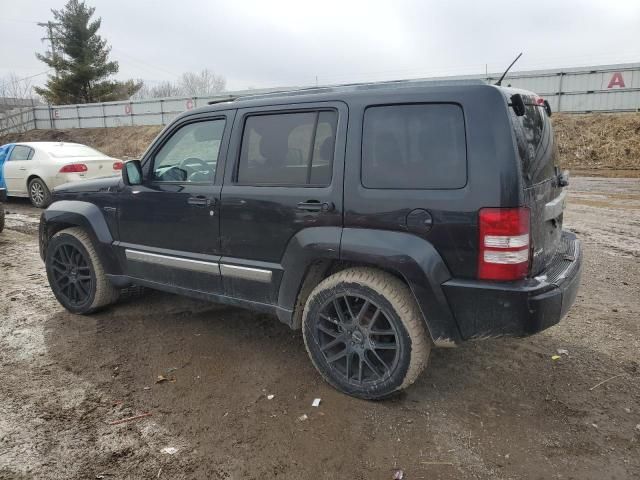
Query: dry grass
point(586, 142)
point(119, 142)
point(599, 141)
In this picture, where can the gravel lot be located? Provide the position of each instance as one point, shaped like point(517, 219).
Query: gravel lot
point(498, 409)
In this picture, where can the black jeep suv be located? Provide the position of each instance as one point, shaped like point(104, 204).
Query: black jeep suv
point(381, 219)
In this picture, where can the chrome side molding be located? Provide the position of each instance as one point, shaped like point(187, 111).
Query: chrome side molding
point(246, 273)
point(232, 271)
point(174, 262)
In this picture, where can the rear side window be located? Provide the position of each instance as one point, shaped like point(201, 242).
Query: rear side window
point(534, 138)
point(21, 152)
point(288, 149)
point(414, 147)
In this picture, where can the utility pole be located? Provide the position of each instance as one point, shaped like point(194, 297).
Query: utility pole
point(52, 41)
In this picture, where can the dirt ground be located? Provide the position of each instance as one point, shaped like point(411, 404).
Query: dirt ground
point(497, 409)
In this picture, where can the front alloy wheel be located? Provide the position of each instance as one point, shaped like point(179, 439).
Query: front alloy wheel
point(71, 274)
point(75, 273)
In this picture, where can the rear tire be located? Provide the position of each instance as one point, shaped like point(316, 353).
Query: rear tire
point(1, 217)
point(39, 193)
point(365, 333)
point(75, 273)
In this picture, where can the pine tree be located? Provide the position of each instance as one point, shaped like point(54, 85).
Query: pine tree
point(80, 59)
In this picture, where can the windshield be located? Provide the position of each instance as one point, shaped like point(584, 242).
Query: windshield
point(73, 151)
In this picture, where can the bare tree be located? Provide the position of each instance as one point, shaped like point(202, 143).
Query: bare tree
point(202, 84)
point(17, 100)
point(161, 90)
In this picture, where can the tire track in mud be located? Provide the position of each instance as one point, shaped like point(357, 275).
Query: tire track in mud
point(52, 421)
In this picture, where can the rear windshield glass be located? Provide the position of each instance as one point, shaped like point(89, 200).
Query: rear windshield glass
point(414, 147)
point(536, 146)
point(73, 151)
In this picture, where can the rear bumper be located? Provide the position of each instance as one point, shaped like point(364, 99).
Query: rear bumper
point(493, 309)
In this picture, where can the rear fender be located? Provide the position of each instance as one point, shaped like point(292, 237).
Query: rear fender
point(308, 254)
point(72, 213)
point(418, 263)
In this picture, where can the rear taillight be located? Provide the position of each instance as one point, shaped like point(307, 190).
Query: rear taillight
point(504, 243)
point(74, 168)
point(117, 165)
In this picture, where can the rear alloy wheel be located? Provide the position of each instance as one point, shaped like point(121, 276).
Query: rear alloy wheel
point(75, 273)
point(39, 193)
point(365, 333)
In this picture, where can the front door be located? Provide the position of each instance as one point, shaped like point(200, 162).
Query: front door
point(169, 225)
point(283, 176)
point(16, 169)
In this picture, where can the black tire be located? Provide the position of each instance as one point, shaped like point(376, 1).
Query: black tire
point(1, 217)
point(39, 193)
point(83, 288)
point(340, 319)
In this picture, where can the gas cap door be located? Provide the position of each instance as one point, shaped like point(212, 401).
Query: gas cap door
point(419, 221)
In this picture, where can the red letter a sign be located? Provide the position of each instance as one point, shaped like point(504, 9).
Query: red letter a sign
point(616, 81)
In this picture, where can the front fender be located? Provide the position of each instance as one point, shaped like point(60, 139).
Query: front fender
point(418, 262)
point(73, 213)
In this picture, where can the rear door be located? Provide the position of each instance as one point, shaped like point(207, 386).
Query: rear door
point(16, 169)
point(284, 175)
point(537, 152)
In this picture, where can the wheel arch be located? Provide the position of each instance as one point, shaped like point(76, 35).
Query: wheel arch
point(309, 260)
point(72, 213)
point(36, 174)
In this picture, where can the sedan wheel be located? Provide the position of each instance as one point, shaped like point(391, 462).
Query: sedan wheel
point(39, 193)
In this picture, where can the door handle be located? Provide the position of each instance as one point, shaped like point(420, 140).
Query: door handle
point(199, 201)
point(23, 169)
point(316, 206)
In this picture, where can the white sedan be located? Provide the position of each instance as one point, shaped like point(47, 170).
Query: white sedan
point(33, 169)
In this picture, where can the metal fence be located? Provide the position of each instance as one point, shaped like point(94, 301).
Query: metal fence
point(604, 88)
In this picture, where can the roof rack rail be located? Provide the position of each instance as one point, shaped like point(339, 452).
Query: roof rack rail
point(229, 98)
point(364, 86)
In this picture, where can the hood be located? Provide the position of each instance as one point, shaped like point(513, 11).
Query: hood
point(106, 184)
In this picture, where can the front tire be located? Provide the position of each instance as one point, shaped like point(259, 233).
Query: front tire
point(75, 273)
point(39, 193)
point(365, 333)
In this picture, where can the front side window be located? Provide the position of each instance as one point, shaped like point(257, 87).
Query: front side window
point(288, 149)
point(191, 154)
point(414, 147)
point(21, 152)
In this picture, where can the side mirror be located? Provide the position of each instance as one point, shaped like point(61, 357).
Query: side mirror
point(132, 173)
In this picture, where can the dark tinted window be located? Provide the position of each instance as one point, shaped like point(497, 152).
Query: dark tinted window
point(191, 154)
point(534, 138)
point(21, 152)
point(414, 146)
point(288, 149)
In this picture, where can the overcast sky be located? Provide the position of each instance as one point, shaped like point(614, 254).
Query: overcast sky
point(291, 42)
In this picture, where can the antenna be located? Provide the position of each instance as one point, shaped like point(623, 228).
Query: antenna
point(499, 82)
